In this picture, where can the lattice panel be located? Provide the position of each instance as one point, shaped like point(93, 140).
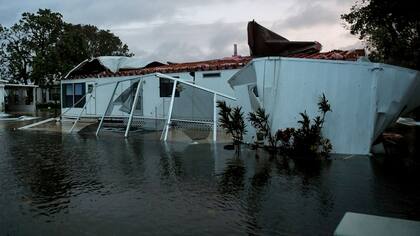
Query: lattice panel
point(191, 125)
point(149, 124)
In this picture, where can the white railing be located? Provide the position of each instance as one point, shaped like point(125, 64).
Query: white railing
point(164, 135)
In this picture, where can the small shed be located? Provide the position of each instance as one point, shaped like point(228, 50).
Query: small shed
point(18, 98)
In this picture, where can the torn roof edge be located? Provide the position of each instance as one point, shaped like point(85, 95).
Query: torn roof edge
point(225, 63)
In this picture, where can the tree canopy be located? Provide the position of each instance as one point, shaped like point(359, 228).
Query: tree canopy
point(390, 28)
point(41, 47)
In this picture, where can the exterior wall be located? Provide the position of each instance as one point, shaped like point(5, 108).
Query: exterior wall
point(364, 97)
point(219, 84)
point(20, 103)
point(22, 108)
point(153, 105)
point(100, 99)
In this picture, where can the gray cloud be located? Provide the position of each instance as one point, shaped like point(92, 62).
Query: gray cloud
point(186, 30)
point(102, 13)
point(187, 42)
point(311, 15)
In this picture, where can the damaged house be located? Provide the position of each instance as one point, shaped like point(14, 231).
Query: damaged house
point(284, 77)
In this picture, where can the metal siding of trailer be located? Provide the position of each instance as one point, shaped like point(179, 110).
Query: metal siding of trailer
point(292, 86)
point(403, 85)
point(219, 83)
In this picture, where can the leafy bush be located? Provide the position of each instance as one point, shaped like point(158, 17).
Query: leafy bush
point(304, 141)
point(232, 121)
point(307, 140)
point(259, 120)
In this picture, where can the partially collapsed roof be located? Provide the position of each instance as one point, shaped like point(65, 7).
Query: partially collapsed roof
point(264, 42)
point(219, 64)
point(111, 64)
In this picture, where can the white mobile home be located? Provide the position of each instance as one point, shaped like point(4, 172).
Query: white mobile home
point(284, 77)
point(365, 97)
point(89, 88)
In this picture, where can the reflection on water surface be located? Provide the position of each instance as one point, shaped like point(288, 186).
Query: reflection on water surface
point(54, 183)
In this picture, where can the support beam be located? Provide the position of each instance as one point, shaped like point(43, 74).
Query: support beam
point(160, 75)
point(133, 107)
point(39, 123)
point(107, 107)
point(171, 105)
point(214, 117)
point(80, 114)
point(74, 105)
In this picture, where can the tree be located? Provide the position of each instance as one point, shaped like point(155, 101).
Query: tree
point(79, 42)
point(390, 28)
point(15, 54)
point(3, 70)
point(41, 47)
point(43, 30)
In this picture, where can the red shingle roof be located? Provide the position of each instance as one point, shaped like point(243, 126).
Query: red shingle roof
point(220, 64)
point(236, 62)
point(351, 55)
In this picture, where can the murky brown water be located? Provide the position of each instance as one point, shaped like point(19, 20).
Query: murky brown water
point(73, 184)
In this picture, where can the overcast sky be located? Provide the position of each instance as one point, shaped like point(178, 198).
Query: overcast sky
point(185, 30)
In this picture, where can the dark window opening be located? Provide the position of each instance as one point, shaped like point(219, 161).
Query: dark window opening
point(165, 88)
point(74, 95)
point(90, 88)
point(79, 94)
point(211, 75)
point(67, 95)
point(255, 91)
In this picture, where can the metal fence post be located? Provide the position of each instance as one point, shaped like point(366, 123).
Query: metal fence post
point(107, 107)
point(171, 105)
point(133, 107)
point(214, 117)
point(80, 114)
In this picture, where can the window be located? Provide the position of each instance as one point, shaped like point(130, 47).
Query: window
point(67, 95)
point(165, 88)
point(255, 91)
point(90, 88)
point(79, 94)
point(74, 95)
point(211, 75)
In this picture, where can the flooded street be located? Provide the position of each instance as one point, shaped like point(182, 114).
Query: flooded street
point(78, 184)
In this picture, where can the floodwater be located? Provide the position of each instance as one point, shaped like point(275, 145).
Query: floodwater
point(77, 184)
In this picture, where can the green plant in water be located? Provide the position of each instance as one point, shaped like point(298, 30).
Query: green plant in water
point(259, 120)
point(307, 140)
point(232, 121)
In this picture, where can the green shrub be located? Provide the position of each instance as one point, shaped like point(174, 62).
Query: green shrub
point(259, 120)
point(304, 141)
point(307, 140)
point(232, 121)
